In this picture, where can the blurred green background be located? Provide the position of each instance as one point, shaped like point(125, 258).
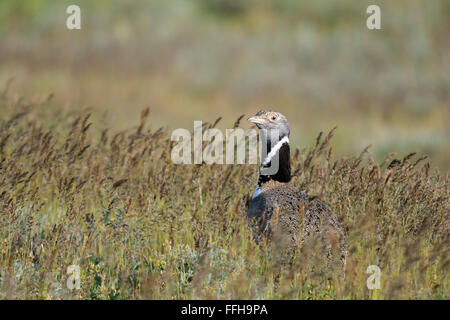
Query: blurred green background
point(315, 61)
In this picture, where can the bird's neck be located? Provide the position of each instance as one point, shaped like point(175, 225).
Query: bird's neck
point(281, 150)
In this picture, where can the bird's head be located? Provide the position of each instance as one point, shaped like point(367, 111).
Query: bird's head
point(271, 120)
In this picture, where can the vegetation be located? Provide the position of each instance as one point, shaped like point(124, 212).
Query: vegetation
point(140, 227)
point(314, 61)
point(80, 185)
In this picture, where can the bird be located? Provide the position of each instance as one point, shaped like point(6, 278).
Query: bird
point(280, 215)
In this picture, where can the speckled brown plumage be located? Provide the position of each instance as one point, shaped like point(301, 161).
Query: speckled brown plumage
point(286, 218)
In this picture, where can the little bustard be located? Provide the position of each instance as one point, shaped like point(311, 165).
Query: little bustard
point(281, 214)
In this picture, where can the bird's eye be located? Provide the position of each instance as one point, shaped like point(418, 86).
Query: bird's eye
point(274, 118)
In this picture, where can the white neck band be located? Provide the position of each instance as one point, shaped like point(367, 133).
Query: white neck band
point(275, 150)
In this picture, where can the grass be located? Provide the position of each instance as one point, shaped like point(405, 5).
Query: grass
point(314, 61)
point(140, 227)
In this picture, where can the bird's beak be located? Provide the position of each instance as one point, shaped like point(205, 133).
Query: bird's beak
point(256, 120)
